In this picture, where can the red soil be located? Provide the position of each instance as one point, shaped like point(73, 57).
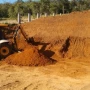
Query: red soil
point(68, 35)
point(48, 29)
point(29, 57)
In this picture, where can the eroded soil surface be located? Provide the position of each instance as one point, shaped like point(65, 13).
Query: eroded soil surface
point(65, 75)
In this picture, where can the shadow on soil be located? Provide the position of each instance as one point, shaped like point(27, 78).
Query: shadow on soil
point(47, 53)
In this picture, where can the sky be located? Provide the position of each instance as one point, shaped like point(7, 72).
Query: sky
point(11, 1)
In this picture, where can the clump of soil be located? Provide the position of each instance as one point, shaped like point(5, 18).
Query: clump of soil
point(29, 57)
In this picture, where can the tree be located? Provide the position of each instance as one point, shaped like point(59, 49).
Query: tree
point(53, 7)
point(35, 7)
point(45, 6)
point(4, 10)
point(11, 12)
point(42, 6)
point(18, 1)
point(29, 0)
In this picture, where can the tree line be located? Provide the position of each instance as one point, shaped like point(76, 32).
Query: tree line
point(10, 10)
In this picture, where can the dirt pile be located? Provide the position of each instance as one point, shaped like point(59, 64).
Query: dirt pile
point(29, 57)
point(48, 29)
point(76, 47)
point(51, 29)
point(66, 35)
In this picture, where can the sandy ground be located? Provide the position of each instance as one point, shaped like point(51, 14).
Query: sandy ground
point(64, 75)
point(69, 73)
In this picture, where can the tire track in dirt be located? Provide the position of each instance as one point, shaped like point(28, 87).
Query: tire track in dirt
point(10, 86)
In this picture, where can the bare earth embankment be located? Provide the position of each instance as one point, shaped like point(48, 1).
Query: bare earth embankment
point(59, 62)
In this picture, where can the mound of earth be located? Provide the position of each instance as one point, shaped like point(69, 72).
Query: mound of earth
point(73, 29)
point(48, 29)
point(67, 35)
point(29, 57)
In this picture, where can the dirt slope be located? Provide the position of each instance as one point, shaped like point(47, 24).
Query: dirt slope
point(65, 36)
point(57, 30)
point(51, 28)
point(65, 39)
